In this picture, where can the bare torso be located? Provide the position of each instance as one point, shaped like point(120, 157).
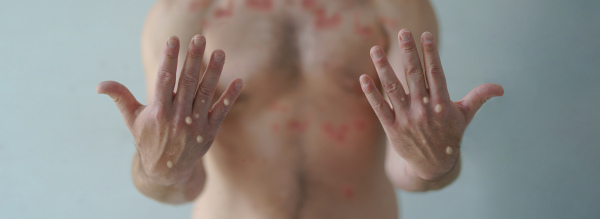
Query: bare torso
point(301, 141)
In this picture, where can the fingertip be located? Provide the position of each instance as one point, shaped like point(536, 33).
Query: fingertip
point(404, 35)
point(427, 37)
point(364, 79)
point(500, 90)
point(238, 83)
point(496, 89)
point(105, 86)
point(172, 41)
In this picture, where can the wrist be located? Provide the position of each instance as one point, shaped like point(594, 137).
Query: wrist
point(164, 176)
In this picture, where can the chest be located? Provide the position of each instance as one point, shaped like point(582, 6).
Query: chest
point(285, 46)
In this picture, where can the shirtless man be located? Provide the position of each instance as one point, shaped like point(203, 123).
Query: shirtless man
point(310, 134)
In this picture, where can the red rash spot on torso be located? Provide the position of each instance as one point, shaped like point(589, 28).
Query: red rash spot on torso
point(279, 108)
point(338, 134)
point(197, 4)
point(224, 12)
point(389, 22)
point(297, 126)
point(361, 30)
point(275, 127)
point(308, 4)
point(360, 124)
point(348, 192)
point(265, 5)
point(323, 22)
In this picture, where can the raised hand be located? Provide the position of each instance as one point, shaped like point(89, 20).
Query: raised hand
point(175, 130)
point(424, 127)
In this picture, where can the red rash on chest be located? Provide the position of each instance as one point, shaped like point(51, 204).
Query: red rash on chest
point(279, 108)
point(337, 134)
point(308, 4)
point(389, 22)
point(275, 127)
point(224, 12)
point(197, 4)
point(323, 22)
point(265, 5)
point(348, 192)
point(361, 30)
point(360, 124)
point(297, 125)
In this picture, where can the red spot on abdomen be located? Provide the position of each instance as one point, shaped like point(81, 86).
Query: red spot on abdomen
point(361, 30)
point(224, 12)
point(308, 4)
point(197, 4)
point(360, 124)
point(279, 108)
point(338, 134)
point(297, 126)
point(323, 22)
point(348, 192)
point(389, 22)
point(275, 127)
point(265, 5)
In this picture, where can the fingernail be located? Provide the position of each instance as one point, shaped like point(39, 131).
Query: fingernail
point(405, 35)
point(428, 37)
point(363, 81)
point(219, 56)
point(198, 41)
point(238, 84)
point(172, 42)
point(376, 53)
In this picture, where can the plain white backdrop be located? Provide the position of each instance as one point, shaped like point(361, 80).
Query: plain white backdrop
point(534, 153)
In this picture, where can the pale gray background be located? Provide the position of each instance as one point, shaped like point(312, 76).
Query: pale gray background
point(534, 153)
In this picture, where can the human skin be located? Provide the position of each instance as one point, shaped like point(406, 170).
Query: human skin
point(304, 139)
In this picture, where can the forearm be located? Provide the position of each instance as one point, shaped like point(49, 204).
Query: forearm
point(179, 191)
point(402, 177)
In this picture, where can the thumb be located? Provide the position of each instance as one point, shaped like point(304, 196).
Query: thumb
point(125, 101)
point(477, 97)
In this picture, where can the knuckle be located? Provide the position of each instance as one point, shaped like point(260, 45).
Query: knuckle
point(215, 67)
point(420, 115)
point(164, 75)
point(436, 70)
point(378, 107)
point(391, 87)
point(381, 64)
point(187, 79)
point(408, 47)
point(195, 55)
point(429, 48)
point(204, 90)
point(414, 71)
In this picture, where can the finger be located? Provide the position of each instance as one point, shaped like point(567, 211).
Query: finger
point(415, 78)
point(380, 106)
point(433, 68)
point(190, 74)
point(209, 82)
point(389, 81)
point(126, 102)
point(477, 97)
point(222, 106)
point(167, 72)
